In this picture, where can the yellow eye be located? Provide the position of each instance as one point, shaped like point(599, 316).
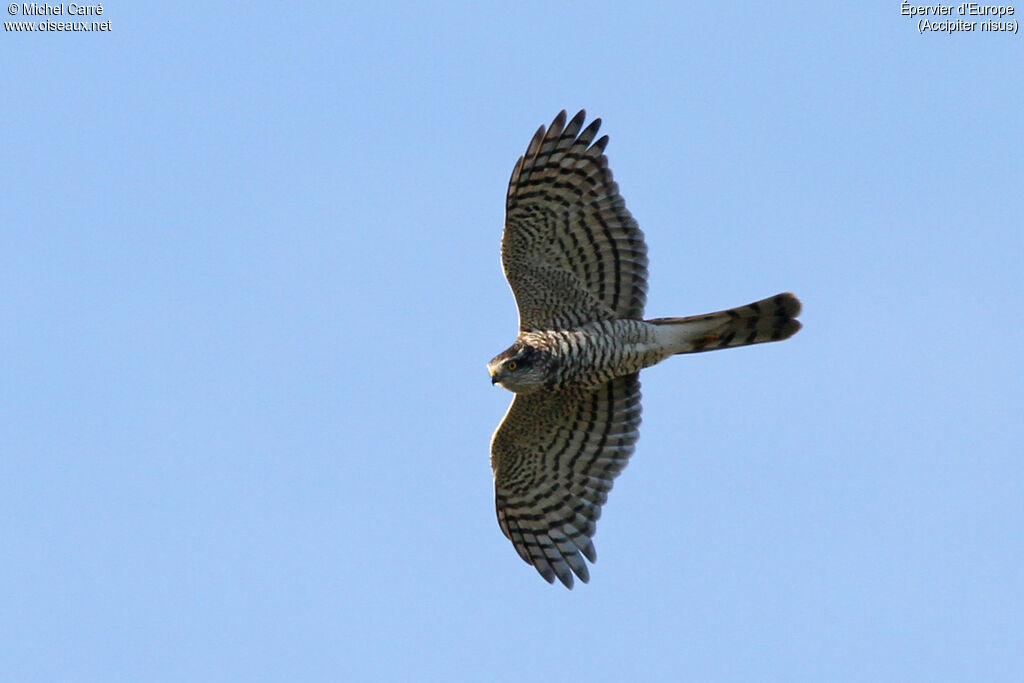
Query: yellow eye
point(511, 366)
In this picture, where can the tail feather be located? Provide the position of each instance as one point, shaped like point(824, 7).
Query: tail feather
point(771, 319)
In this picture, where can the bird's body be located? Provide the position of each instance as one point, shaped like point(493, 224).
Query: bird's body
point(583, 357)
point(577, 264)
point(594, 353)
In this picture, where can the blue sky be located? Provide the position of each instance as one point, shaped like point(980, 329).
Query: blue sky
point(250, 280)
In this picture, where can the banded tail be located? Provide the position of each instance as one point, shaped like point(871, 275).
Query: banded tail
point(768, 320)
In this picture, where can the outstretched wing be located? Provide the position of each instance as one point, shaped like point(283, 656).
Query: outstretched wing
point(554, 457)
point(571, 251)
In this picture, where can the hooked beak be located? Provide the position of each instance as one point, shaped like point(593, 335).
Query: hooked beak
point(494, 379)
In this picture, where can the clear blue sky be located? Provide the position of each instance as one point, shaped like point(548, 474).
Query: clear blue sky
point(250, 280)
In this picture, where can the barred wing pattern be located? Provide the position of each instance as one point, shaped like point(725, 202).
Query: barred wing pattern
point(571, 251)
point(554, 457)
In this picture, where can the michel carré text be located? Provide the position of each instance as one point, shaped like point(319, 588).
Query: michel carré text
point(33, 9)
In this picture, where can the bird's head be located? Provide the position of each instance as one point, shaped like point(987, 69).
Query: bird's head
point(520, 368)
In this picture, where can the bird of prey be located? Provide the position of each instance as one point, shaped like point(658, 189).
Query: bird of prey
point(577, 264)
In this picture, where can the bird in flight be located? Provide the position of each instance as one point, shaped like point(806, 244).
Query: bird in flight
point(577, 264)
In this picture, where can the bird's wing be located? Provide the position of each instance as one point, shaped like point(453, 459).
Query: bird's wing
point(571, 251)
point(554, 457)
